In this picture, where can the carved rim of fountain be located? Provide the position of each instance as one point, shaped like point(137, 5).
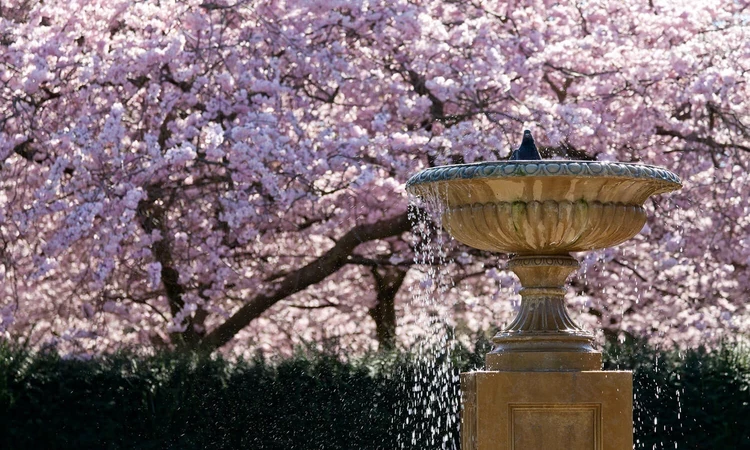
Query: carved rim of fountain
point(546, 168)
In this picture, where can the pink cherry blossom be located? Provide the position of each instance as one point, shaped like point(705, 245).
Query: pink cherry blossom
point(230, 174)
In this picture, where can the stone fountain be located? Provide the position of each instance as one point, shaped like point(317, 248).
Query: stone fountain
point(544, 388)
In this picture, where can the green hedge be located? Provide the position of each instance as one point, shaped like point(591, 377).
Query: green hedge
point(170, 401)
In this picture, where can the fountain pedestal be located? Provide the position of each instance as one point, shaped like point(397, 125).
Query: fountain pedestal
point(543, 336)
point(544, 388)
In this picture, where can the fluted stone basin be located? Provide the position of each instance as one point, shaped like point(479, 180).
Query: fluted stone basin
point(542, 207)
point(539, 211)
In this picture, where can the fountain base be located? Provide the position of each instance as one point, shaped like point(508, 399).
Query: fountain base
point(547, 410)
point(537, 361)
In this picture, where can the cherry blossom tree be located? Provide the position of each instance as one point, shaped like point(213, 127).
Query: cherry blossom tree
point(230, 173)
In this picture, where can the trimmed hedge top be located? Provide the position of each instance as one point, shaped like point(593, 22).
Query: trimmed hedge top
point(696, 399)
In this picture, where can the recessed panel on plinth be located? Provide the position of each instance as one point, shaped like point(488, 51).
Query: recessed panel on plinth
point(573, 426)
point(547, 411)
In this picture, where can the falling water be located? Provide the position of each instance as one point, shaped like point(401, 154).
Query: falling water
point(652, 380)
point(433, 403)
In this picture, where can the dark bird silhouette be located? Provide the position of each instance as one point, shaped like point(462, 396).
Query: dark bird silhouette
point(527, 150)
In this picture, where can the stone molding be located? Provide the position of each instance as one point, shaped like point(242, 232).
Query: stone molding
point(545, 168)
point(538, 261)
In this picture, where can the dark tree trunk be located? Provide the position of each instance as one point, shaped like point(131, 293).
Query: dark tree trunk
point(388, 280)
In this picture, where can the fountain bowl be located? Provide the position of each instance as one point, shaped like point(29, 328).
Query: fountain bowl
point(542, 207)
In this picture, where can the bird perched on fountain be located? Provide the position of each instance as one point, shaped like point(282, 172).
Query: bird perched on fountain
point(527, 150)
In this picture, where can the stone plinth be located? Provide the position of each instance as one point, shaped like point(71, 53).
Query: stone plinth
point(589, 410)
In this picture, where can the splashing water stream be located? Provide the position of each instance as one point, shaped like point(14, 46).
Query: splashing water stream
point(433, 403)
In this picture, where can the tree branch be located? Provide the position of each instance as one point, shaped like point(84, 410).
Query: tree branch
point(300, 279)
point(693, 137)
